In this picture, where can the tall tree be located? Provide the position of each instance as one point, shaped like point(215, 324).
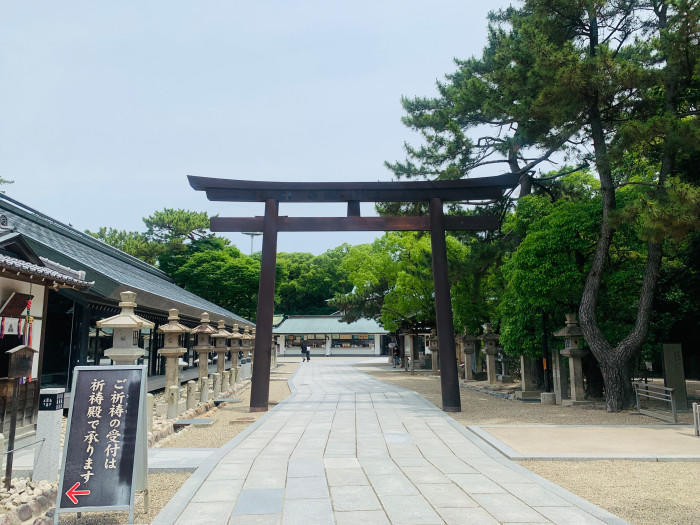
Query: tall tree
point(625, 77)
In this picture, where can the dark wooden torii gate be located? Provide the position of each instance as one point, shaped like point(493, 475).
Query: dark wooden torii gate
point(272, 193)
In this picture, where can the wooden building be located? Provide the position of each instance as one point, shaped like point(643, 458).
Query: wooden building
point(71, 335)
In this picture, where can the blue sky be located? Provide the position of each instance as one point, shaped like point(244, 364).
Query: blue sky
point(105, 107)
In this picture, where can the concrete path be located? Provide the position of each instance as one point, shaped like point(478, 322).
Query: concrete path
point(347, 449)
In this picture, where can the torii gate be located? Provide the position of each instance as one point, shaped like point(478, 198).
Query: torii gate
point(272, 193)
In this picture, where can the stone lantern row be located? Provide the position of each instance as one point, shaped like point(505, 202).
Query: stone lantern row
point(573, 350)
point(126, 324)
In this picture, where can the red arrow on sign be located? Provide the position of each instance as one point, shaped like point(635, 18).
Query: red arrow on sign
point(72, 493)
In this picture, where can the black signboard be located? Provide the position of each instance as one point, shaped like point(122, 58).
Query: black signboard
point(105, 440)
point(51, 401)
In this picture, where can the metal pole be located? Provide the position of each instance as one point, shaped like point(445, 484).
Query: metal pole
point(260, 383)
point(443, 311)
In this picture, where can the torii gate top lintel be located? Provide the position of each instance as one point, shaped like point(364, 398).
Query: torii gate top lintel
point(272, 193)
point(236, 190)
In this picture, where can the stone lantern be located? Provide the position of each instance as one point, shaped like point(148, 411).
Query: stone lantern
point(220, 338)
point(236, 342)
point(171, 348)
point(252, 344)
point(125, 327)
point(573, 349)
point(434, 349)
point(468, 349)
point(247, 340)
point(204, 331)
point(490, 340)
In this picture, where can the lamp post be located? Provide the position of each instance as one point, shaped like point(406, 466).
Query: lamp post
point(252, 236)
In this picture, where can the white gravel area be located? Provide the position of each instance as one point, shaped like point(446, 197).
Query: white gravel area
point(641, 492)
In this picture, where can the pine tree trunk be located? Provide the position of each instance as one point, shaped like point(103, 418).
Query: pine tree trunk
point(617, 385)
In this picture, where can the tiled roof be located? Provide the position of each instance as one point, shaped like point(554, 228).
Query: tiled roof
point(327, 324)
point(112, 270)
point(41, 272)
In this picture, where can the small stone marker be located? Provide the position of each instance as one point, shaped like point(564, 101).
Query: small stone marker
point(674, 376)
point(216, 380)
point(225, 386)
point(48, 432)
point(173, 393)
point(191, 394)
point(203, 389)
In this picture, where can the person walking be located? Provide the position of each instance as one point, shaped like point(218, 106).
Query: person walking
point(304, 351)
point(397, 357)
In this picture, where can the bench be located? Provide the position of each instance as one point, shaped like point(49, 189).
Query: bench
point(656, 393)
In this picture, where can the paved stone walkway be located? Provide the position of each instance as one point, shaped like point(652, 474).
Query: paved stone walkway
point(347, 449)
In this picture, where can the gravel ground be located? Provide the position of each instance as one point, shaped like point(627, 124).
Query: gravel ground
point(641, 492)
point(230, 418)
point(482, 409)
point(161, 488)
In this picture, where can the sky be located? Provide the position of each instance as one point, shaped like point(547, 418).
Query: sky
point(105, 107)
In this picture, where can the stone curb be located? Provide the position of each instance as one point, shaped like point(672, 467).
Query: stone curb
point(510, 453)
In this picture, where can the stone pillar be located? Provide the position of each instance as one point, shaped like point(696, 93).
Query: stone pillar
point(283, 348)
point(191, 394)
point(573, 349)
point(217, 384)
point(172, 349)
point(559, 388)
point(468, 349)
point(48, 429)
point(150, 410)
point(674, 375)
point(203, 389)
point(490, 349)
point(434, 350)
point(125, 326)
point(173, 395)
point(204, 331)
point(528, 379)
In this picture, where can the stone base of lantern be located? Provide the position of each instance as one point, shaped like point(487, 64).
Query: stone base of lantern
point(571, 402)
point(528, 394)
point(548, 398)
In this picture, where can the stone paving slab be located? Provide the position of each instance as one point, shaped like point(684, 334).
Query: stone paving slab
point(345, 448)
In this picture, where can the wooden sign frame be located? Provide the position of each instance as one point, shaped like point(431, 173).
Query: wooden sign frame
point(139, 475)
